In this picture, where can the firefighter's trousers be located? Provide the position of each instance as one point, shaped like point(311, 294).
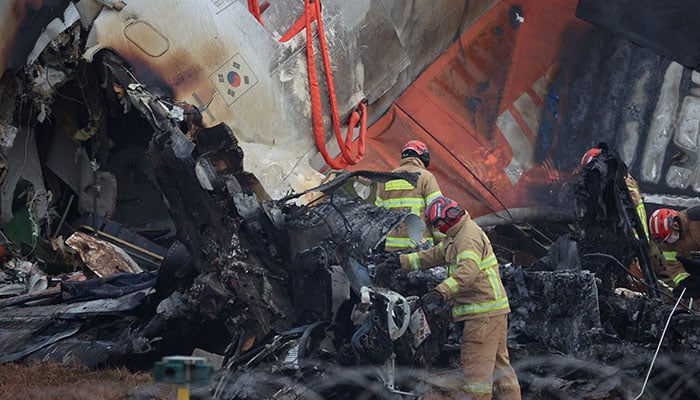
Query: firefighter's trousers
point(485, 361)
point(486, 369)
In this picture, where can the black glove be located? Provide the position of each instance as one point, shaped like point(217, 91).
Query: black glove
point(393, 259)
point(691, 285)
point(384, 273)
point(691, 264)
point(432, 302)
point(389, 261)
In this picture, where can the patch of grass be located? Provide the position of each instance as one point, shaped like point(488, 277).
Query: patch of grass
point(52, 381)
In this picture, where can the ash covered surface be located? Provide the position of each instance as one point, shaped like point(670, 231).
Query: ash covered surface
point(281, 294)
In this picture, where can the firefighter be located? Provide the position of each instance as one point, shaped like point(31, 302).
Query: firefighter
point(630, 182)
point(598, 159)
point(478, 298)
point(679, 233)
point(399, 194)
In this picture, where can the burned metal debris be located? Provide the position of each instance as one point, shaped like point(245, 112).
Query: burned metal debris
point(130, 231)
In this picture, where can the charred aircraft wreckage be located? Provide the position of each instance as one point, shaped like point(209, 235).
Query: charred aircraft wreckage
point(132, 230)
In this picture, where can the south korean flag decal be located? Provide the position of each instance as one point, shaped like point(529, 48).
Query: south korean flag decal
point(234, 79)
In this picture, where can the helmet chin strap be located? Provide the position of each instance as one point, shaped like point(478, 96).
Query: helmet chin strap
point(449, 224)
point(425, 159)
point(445, 227)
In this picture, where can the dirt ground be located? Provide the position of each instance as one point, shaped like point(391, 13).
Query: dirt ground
point(42, 381)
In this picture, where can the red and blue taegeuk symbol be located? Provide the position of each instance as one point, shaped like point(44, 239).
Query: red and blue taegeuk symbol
point(234, 79)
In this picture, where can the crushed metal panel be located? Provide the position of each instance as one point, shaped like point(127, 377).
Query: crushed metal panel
point(27, 330)
point(80, 350)
point(22, 23)
point(207, 225)
point(139, 202)
point(24, 165)
point(97, 190)
point(52, 30)
point(67, 159)
point(79, 310)
point(327, 234)
point(560, 320)
point(116, 285)
point(20, 337)
point(98, 193)
point(89, 10)
point(343, 222)
point(8, 131)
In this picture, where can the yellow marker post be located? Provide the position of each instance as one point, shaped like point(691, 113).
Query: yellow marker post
point(183, 393)
point(183, 371)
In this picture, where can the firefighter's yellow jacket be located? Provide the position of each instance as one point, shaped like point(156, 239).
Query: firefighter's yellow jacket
point(473, 282)
point(400, 195)
point(689, 241)
point(636, 195)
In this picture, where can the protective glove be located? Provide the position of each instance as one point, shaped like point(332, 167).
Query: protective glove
point(432, 302)
point(691, 285)
point(393, 260)
point(691, 264)
point(384, 273)
point(390, 261)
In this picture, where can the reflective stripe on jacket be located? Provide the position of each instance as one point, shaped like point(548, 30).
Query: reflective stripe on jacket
point(473, 279)
point(400, 195)
point(636, 195)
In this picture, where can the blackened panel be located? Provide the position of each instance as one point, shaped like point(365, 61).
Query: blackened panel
point(33, 25)
point(669, 27)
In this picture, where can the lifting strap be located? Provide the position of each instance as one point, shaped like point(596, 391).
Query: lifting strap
point(312, 12)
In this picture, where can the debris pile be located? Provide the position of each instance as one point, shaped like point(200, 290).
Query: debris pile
point(132, 231)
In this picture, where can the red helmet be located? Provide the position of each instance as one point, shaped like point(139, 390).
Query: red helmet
point(416, 148)
point(661, 223)
point(445, 210)
point(589, 155)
